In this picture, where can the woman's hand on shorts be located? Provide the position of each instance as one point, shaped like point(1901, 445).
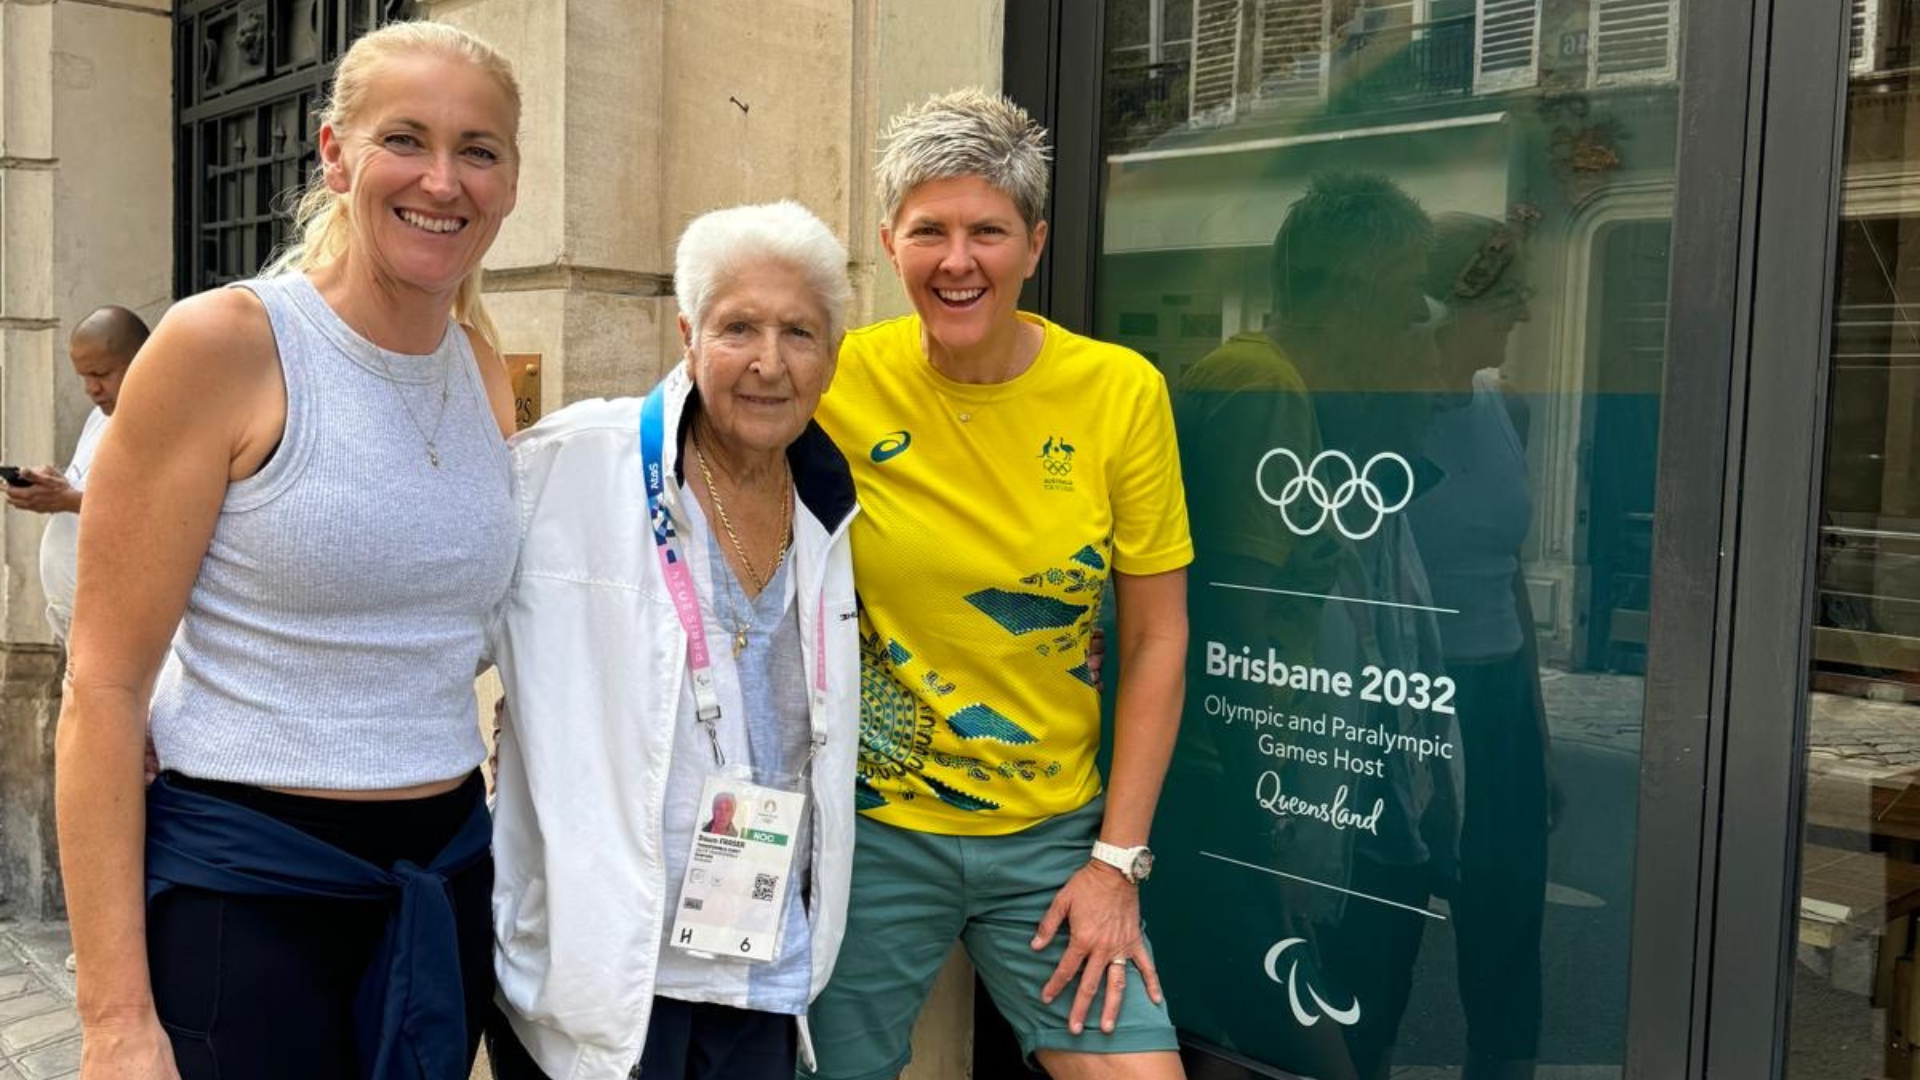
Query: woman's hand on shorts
point(133, 1048)
point(1101, 910)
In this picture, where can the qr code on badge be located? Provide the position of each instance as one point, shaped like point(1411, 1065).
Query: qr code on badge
point(763, 886)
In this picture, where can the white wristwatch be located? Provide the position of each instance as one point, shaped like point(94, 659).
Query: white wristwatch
point(1134, 863)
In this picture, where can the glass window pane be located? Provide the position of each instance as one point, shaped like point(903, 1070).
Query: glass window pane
point(1176, 21)
point(1129, 24)
point(1853, 1008)
point(1404, 264)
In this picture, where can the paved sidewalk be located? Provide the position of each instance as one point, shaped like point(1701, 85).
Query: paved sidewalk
point(39, 1032)
point(1868, 738)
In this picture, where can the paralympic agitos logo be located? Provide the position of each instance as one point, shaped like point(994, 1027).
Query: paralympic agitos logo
point(1332, 484)
point(1310, 1009)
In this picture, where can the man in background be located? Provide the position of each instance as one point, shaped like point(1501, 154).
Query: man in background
point(100, 349)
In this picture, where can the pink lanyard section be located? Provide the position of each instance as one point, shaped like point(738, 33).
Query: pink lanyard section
point(686, 598)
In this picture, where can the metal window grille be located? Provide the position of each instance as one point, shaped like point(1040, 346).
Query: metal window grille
point(248, 75)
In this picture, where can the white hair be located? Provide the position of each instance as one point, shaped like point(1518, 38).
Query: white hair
point(721, 243)
point(970, 132)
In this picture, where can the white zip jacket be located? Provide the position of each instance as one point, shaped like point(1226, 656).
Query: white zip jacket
point(594, 657)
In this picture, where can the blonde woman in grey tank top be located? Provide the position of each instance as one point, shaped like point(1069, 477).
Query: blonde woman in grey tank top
point(307, 477)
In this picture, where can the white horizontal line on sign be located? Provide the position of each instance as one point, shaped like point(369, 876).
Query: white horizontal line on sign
point(1339, 599)
point(1434, 915)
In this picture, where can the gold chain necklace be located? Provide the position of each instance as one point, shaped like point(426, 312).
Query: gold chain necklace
point(733, 624)
point(726, 524)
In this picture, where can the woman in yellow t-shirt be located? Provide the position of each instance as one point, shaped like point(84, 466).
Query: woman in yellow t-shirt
point(1008, 472)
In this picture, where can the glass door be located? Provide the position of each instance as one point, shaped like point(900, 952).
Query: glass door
point(1405, 264)
point(1855, 1002)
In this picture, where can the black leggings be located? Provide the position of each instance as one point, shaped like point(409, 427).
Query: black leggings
point(1371, 954)
point(262, 988)
point(1499, 908)
point(685, 1041)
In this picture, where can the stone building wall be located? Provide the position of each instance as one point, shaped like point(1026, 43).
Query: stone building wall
point(638, 117)
point(86, 196)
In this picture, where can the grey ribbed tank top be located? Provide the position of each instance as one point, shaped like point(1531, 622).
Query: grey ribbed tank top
point(332, 637)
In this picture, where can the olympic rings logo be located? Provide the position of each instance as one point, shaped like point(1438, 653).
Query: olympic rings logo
point(1057, 466)
point(1333, 498)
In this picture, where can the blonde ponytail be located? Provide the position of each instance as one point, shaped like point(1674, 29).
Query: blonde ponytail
point(469, 310)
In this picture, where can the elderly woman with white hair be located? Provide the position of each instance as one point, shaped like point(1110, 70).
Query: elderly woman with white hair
point(679, 635)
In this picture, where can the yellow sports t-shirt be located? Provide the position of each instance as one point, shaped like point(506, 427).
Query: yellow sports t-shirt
point(991, 517)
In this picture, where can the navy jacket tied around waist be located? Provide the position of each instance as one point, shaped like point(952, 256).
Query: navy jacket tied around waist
point(410, 1008)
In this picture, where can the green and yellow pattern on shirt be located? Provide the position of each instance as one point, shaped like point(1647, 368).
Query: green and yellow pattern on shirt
point(981, 553)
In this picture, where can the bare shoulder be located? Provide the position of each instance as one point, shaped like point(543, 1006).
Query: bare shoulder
point(1518, 410)
point(484, 354)
point(209, 374)
point(493, 376)
point(215, 336)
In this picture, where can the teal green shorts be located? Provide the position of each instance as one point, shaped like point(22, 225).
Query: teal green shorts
point(914, 895)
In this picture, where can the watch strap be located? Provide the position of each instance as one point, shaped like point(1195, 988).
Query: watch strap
point(1120, 858)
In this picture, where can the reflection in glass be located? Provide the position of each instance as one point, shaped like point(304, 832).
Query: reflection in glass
point(1404, 263)
point(1470, 530)
point(1325, 408)
point(1855, 1012)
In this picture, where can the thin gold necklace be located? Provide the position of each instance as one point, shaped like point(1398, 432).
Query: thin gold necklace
point(430, 439)
point(740, 549)
point(964, 410)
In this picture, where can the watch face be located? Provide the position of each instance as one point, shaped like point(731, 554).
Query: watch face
point(1142, 864)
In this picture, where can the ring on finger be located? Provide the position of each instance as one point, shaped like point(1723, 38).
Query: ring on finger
point(1118, 962)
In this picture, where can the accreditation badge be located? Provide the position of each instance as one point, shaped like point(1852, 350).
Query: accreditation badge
point(733, 899)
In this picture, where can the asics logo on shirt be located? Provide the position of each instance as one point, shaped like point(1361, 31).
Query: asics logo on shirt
point(891, 446)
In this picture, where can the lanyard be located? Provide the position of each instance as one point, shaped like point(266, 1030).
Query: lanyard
point(680, 587)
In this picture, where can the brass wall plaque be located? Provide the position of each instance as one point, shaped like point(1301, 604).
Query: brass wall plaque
point(524, 370)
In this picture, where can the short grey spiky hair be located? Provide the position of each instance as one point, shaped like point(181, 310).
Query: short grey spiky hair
point(970, 132)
